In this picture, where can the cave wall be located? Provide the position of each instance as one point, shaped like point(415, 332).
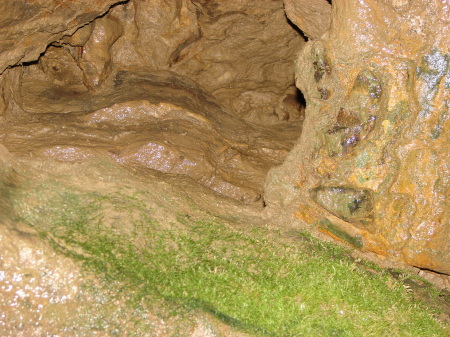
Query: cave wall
point(28, 27)
point(197, 88)
point(82, 79)
point(241, 52)
point(372, 165)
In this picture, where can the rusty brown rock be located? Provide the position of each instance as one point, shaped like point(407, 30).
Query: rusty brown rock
point(312, 17)
point(372, 165)
point(28, 27)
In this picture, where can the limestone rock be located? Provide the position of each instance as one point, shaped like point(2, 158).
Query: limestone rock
point(205, 89)
point(155, 32)
point(312, 17)
point(28, 27)
point(157, 65)
point(229, 48)
point(148, 120)
point(95, 60)
point(39, 288)
point(61, 67)
point(373, 159)
point(241, 52)
point(244, 57)
point(46, 292)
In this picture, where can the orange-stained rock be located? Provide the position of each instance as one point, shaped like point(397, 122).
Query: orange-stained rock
point(374, 155)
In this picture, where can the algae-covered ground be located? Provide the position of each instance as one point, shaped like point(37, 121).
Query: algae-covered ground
point(158, 248)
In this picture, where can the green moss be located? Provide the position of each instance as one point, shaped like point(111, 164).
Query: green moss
point(251, 279)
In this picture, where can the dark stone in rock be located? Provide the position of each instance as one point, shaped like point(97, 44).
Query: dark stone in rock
point(328, 226)
point(347, 203)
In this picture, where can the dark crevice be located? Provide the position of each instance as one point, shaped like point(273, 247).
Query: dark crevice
point(298, 30)
point(433, 271)
point(300, 98)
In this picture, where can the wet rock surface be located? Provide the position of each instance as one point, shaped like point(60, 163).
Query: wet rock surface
point(169, 87)
point(372, 161)
point(160, 121)
point(244, 58)
point(312, 17)
point(27, 28)
point(197, 98)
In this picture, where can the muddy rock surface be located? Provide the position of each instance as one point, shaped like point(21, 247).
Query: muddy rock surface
point(181, 87)
point(192, 101)
point(244, 58)
point(157, 120)
point(198, 107)
point(28, 27)
point(312, 17)
point(371, 167)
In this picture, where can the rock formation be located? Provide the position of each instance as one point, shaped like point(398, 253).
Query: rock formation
point(372, 165)
point(27, 28)
point(181, 87)
point(201, 94)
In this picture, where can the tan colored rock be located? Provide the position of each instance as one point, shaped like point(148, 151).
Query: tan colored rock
point(148, 120)
point(154, 32)
point(61, 67)
point(244, 57)
point(28, 27)
point(372, 165)
point(39, 289)
point(95, 60)
point(165, 28)
point(80, 37)
point(213, 43)
point(44, 292)
point(240, 52)
point(312, 17)
point(2, 106)
point(194, 130)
